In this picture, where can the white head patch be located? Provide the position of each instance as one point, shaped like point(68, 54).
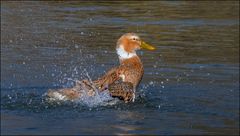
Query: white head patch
point(122, 54)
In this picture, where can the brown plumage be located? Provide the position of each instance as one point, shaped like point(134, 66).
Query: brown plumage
point(120, 81)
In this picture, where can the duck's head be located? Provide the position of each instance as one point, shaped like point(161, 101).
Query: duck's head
point(128, 43)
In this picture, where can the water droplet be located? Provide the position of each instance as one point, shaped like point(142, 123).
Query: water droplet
point(10, 41)
point(23, 63)
point(162, 82)
point(163, 87)
point(76, 46)
point(151, 82)
point(30, 101)
point(82, 33)
point(9, 97)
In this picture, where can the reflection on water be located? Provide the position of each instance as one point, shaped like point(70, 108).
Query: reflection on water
point(190, 85)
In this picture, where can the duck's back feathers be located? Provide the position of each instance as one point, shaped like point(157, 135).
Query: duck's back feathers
point(122, 90)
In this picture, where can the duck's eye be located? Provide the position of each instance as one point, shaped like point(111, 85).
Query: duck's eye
point(134, 39)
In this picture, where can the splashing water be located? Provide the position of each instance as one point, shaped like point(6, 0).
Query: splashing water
point(97, 99)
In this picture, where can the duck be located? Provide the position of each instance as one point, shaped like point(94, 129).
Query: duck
point(120, 81)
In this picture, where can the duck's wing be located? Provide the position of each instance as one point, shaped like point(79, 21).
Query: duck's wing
point(63, 94)
point(82, 88)
point(122, 90)
point(110, 77)
point(116, 87)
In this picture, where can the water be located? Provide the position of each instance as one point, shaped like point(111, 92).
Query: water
point(190, 84)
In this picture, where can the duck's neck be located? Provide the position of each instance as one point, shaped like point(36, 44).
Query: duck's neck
point(122, 54)
point(127, 58)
